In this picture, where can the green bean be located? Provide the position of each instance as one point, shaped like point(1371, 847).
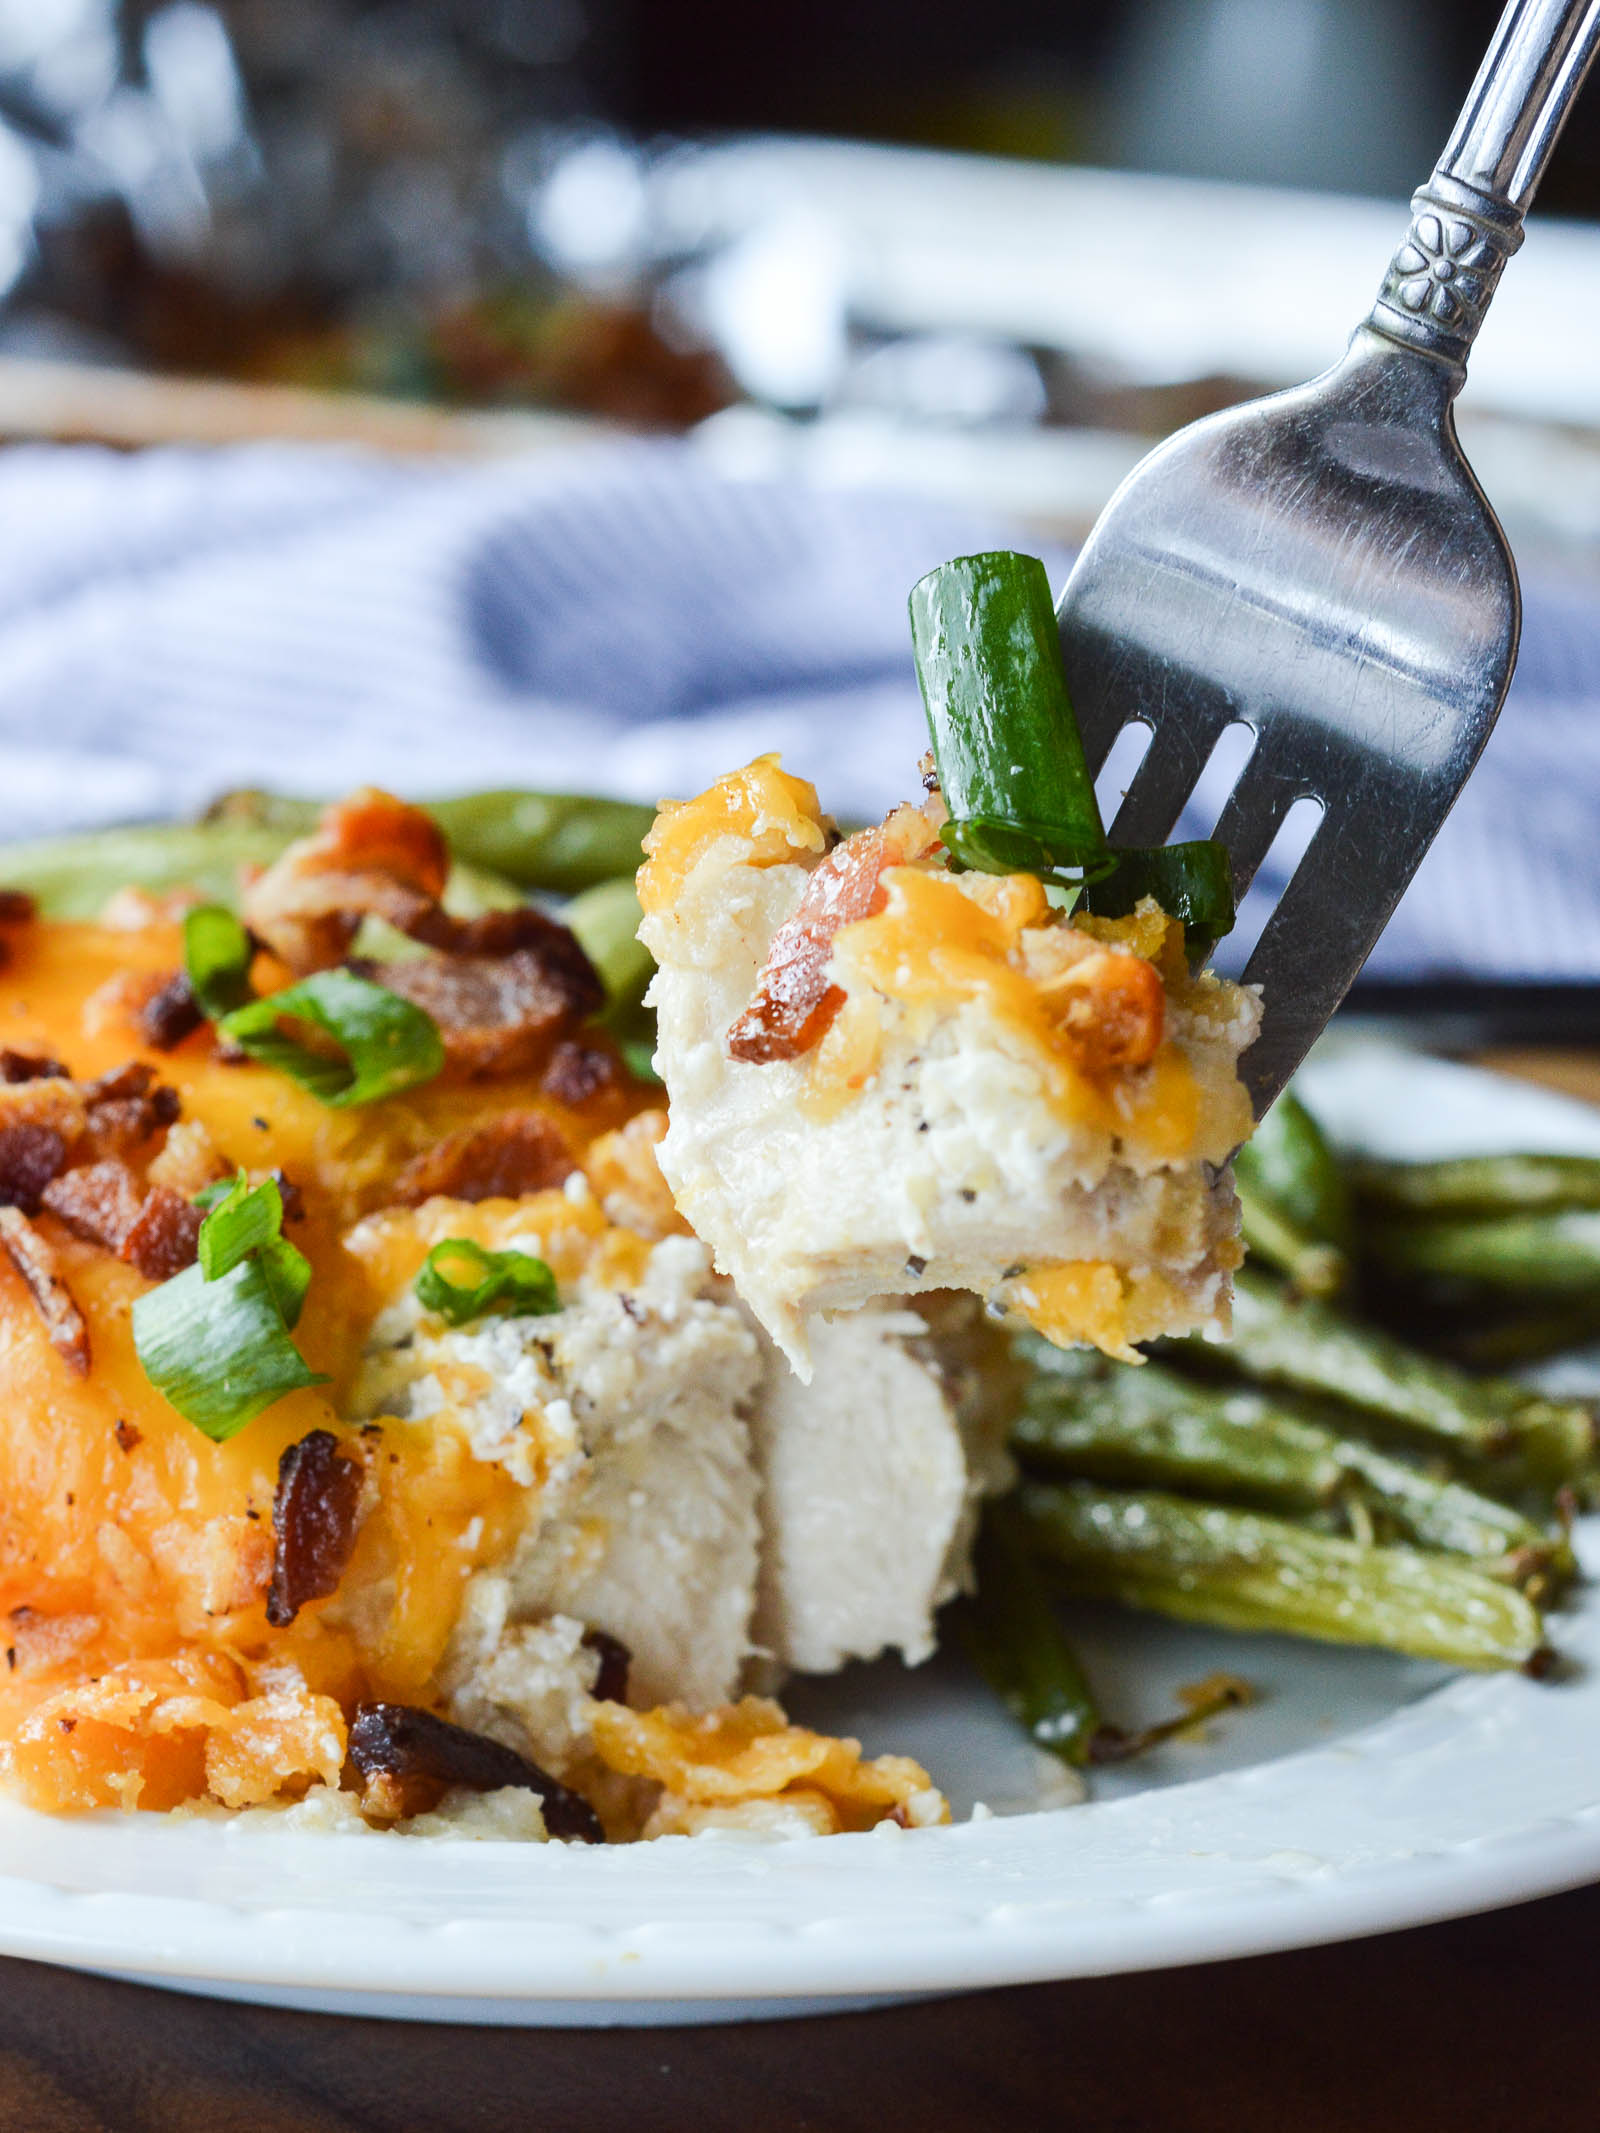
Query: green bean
point(1313, 1267)
point(1295, 1198)
point(1312, 1348)
point(1240, 1570)
point(1479, 1185)
point(606, 920)
point(1500, 1343)
point(1151, 1427)
point(1008, 1629)
point(74, 877)
point(1536, 1255)
point(560, 842)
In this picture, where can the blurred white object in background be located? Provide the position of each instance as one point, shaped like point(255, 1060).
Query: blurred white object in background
point(1323, 93)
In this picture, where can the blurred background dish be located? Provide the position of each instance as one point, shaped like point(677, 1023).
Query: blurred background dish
point(977, 258)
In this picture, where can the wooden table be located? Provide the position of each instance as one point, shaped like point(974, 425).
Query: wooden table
point(1478, 2026)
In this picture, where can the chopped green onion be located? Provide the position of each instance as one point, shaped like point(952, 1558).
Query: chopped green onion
point(215, 1339)
point(1010, 756)
point(243, 1217)
point(249, 1218)
point(513, 1282)
point(388, 1044)
point(217, 955)
point(1191, 882)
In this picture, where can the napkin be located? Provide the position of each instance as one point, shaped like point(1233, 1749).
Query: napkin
point(618, 619)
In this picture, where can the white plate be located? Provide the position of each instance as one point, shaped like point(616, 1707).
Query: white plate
point(1363, 1792)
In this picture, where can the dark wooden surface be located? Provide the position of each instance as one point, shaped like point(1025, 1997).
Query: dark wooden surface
point(1487, 2023)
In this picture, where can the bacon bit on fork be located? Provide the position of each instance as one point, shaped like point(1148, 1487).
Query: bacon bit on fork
point(315, 1514)
point(36, 1263)
point(794, 1002)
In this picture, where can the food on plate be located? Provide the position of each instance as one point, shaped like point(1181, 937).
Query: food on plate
point(379, 1443)
point(895, 1063)
point(418, 1422)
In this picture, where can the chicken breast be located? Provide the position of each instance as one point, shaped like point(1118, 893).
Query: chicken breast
point(624, 1417)
point(887, 1078)
point(871, 1477)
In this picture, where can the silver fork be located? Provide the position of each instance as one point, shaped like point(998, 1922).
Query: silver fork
point(1323, 567)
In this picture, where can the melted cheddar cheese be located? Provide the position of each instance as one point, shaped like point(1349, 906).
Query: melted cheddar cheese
point(134, 1552)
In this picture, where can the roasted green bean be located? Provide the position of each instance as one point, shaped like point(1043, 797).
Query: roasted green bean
point(559, 842)
point(1153, 1427)
point(1295, 1201)
point(1478, 1185)
point(1008, 1629)
point(1240, 1570)
point(1546, 1256)
point(1312, 1348)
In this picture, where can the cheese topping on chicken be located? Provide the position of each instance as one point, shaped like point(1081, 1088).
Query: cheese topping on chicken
point(512, 1576)
point(887, 1078)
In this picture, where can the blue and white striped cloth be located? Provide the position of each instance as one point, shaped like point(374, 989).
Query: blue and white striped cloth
point(620, 620)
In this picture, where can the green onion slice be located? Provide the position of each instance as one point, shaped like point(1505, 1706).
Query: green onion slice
point(388, 1044)
point(1010, 756)
point(215, 1339)
point(1191, 882)
point(217, 955)
point(512, 1282)
point(249, 1218)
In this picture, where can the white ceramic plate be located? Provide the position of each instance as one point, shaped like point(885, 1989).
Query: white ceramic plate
point(1362, 1792)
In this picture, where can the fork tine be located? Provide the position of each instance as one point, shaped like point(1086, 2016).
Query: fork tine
point(1256, 810)
point(1161, 786)
point(1339, 899)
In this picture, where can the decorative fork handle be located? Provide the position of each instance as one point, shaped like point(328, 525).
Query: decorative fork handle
point(1467, 220)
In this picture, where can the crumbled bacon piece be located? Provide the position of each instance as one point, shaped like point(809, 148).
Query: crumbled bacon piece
point(794, 1001)
point(315, 1513)
point(165, 1235)
point(611, 1683)
point(169, 1014)
point(394, 1745)
point(519, 1152)
point(371, 855)
point(127, 1435)
point(500, 1014)
point(127, 1106)
point(17, 907)
point(29, 1066)
point(99, 1202)
point(580, 1071)
point(30, 1156)
point(36, 1263)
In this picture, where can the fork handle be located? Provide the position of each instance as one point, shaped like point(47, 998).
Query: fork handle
point(1467, 220)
